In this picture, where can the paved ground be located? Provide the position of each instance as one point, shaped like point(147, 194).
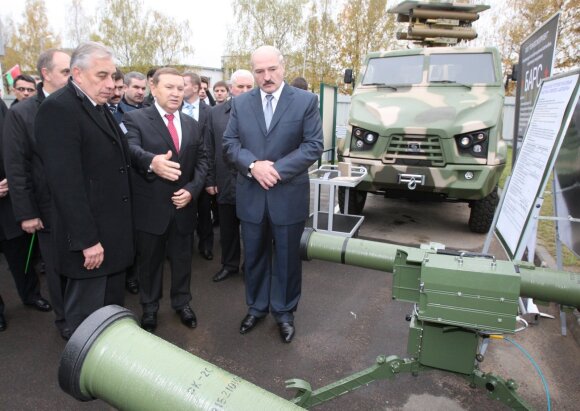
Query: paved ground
point(345, 320)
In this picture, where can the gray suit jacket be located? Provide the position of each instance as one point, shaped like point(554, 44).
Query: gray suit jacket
point(293, 142)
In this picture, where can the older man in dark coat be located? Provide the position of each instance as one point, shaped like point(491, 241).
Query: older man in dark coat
point(221, 178)
point(87, 168)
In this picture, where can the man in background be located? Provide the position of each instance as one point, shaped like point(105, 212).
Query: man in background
point(220, 89)
point(117, 95)
point(24, 87)
point(204, 93)
point(135, 86)
point(194, 106)
point(221, 179)
point(25, 172)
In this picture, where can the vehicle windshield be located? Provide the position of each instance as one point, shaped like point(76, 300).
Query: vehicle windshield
point(464, 68)
point(397, 70)
point(461, 68)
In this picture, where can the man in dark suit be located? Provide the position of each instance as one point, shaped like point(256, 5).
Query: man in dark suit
point(87, 168)
point(169, 156)
point(134, 92)
point(194, 107)
point(273, 136)
point(14, 245)
point(221, 178)
point(115, 99)
point(28, 188)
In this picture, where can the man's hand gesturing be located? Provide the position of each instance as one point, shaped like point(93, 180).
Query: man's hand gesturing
point(165, 168)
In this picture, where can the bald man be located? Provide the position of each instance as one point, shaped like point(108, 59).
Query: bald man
point(273, 136)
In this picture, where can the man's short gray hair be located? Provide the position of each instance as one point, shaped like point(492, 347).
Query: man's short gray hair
point(133, 75)
point(45, 60)
point(85, 51)
point(241, 73)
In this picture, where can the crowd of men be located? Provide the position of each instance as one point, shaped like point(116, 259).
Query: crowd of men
point(112, 180)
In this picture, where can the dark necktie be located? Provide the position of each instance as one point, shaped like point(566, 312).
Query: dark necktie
point(172, 130)
point(113, 108)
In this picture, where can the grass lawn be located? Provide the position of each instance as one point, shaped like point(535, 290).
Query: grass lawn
point(546, 229)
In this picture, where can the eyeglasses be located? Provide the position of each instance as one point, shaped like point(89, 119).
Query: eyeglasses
point(23, 89)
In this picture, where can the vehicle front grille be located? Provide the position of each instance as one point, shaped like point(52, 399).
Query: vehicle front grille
point(414, 150)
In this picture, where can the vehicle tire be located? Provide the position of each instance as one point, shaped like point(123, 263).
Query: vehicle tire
point(356, 201)
point(482, 212)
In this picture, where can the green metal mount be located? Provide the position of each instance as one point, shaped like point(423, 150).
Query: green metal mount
point(387, 368)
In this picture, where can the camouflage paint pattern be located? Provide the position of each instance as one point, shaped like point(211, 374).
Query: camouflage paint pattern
point(427, 117)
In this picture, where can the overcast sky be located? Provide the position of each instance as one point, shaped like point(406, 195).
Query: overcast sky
point(209, 21)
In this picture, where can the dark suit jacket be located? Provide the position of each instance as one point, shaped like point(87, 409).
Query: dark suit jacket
point(293, 143)
point(148, 136)
point(87, 169)
point(9, 229)
point(118, 115)
point(221, 173)
point(28, 187)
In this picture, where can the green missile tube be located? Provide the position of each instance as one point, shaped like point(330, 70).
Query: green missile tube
point(111, 358)
point(543, 284)
point(561, 287)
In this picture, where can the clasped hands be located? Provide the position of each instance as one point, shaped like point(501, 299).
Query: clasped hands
point(265, 174)
point(170, 170)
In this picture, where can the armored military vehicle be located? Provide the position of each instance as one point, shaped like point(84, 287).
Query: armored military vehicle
point(426, 122)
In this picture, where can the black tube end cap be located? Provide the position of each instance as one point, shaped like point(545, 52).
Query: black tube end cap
point(80, 343)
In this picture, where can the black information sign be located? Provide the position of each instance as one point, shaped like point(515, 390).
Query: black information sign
point(567, 185)
point(536, 60)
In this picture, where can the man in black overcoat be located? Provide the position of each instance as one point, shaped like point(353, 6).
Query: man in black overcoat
point(221, 178)
point(86, 161)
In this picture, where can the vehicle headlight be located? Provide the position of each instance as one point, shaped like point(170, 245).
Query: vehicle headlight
point(370, 138)
point(362, 138)
point(474, 143)
point(465, 141)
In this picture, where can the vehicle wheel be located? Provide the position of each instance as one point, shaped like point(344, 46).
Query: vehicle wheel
point(356, 201)
point(482, 212)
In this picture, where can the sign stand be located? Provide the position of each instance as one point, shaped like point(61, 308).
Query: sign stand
point(522, 198)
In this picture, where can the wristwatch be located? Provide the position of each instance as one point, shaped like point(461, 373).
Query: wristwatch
point(250, 167)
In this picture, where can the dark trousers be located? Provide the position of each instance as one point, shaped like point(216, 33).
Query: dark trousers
point(16, 252)
point(273, 268)
point(82, 297)
point(151, 252)
point(204, 222)
point(56, 283)
point(229, 237)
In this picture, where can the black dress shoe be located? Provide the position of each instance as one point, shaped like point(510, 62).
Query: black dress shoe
point(2, 323)
point(149, 321)
point(248, 323)
point(287, 331)
point(132, 286)
point(187, 317)
point(222, 275)
point(207, 254)
point(40, 304)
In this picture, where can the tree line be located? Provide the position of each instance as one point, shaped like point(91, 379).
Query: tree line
point(319, 38)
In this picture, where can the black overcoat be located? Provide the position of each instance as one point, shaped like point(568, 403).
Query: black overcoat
point(87, 168)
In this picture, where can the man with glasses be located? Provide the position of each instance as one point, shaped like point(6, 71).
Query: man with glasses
point(24, 87)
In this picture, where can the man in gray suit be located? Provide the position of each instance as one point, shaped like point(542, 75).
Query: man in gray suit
point(273, 136)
